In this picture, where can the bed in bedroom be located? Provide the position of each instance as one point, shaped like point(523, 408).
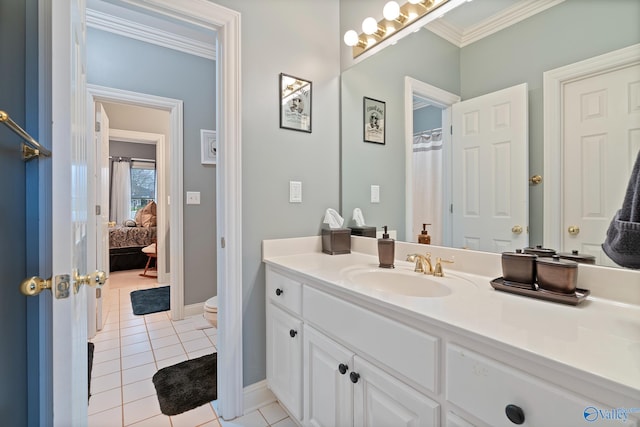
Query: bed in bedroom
point(127, 240)
point(125, 246)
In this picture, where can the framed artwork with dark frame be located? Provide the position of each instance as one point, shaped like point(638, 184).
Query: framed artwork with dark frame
point(295, 103)
point(374, 115)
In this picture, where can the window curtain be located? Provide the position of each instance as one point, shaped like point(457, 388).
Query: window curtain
point(120, 200)
point(427, 184)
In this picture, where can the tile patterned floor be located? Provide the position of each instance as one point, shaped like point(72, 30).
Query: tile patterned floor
point(130, 349)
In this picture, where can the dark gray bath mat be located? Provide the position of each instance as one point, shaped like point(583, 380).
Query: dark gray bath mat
point(152, 300)
point(91, 347)
point(187, 385)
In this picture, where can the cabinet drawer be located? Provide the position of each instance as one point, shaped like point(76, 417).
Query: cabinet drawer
point(405, 350)
point(283, 291)
point(484, 387)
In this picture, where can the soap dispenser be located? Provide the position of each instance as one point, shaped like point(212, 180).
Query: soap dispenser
point(424, 237)
point(386, 250)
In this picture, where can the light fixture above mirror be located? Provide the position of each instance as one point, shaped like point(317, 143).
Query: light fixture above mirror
point(396, 18)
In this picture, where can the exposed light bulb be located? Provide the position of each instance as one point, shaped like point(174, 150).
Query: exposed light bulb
point(391, 11)
point(351, 38)
point(369, 26)
point(415, 1)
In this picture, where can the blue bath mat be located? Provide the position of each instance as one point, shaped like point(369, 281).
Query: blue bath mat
point(152, 300)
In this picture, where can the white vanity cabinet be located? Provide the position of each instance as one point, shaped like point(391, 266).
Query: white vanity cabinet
point(343, 389)
point(284, 341)
point(338, 358)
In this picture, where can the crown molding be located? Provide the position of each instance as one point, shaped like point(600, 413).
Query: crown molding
point(512, 15)
point(127, 28)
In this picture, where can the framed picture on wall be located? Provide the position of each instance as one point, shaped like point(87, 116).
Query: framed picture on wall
point(208, 147)
point(374, 115)
point(295, 103)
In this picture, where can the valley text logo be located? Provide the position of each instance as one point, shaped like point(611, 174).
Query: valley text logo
point(591, 414)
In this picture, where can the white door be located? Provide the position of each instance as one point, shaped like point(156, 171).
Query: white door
point(382, 401)
point(490, 184)
point(601, 142)
point(328, 391)
point(69, 213)
point(102, 213)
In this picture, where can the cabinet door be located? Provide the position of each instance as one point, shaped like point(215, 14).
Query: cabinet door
point(328, 392)
point(381, 400)
point(284, 358)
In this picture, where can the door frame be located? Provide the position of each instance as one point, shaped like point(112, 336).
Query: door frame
point(553, 87)
point(163, 193)
point(229, 183)
point(444, 100)
point(176, 210)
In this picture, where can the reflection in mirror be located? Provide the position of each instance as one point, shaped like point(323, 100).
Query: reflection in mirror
point(469, 65)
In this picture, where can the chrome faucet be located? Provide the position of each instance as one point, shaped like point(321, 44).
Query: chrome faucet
point(423, 263)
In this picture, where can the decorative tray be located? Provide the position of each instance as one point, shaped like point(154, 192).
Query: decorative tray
point(572, 299)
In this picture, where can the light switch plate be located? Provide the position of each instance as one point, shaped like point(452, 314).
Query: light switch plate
point(295, 192)
point(375, 194)
point(193, 197)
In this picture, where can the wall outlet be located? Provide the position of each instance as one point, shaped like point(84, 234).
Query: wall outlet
point(193, 197)
point(295, 192)
point(375, 194)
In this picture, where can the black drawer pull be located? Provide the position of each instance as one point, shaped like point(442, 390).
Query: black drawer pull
point(515, 414)
point(293, 333)
point(343, 368)
point(279, 291)
point(354, 376)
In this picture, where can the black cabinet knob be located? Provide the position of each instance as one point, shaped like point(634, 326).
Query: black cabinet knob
point(293, 333)
point(515, 414)
point(354, 377)
point(343, 368)
point(279, 291)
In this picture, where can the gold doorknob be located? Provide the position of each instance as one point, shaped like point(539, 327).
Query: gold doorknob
point(34, 285)
point(535, 179)
point(516, 229)
point(573, 230)
point(97, 278)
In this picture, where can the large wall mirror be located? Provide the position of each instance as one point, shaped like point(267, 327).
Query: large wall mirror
point(468, 54)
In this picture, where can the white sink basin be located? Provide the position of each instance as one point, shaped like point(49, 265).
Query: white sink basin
point(404, 282)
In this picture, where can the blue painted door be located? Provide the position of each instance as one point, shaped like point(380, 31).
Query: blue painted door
point(13, 260)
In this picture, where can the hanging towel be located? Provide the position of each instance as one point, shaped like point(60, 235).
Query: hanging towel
point(622, 243)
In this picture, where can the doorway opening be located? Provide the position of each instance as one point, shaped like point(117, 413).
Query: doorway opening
point(71, 92)
point(439, 102)
point(170, 180)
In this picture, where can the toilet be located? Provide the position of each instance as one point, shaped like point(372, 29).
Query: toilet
point(211, 311)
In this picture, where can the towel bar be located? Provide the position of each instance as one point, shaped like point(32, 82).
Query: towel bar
point(32, 148)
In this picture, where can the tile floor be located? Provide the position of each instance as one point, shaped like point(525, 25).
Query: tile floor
point(130, 349)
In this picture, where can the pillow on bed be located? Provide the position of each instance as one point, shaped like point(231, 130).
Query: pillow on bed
point(146, 217)
point(129, 223)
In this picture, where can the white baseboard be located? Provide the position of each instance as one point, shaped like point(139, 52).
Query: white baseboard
point(256, 396)
point(193, 309)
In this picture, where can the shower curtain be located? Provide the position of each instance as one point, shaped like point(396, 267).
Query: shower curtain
point(427, 184)
point(120, 200)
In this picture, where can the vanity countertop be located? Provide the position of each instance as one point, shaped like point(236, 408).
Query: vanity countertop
point(599, 337)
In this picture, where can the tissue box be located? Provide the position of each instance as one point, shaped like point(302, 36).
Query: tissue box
point(365, 231)
point(336, 241)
